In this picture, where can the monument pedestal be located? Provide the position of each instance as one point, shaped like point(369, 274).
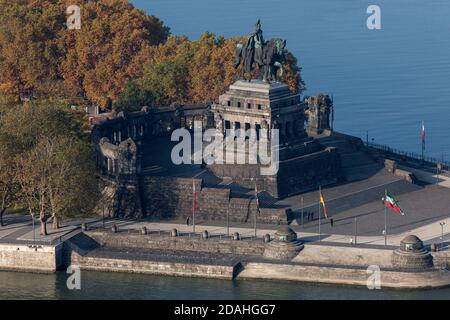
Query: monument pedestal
point(304, 163)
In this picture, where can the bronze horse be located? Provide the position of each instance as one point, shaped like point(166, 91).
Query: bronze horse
point(270, 61)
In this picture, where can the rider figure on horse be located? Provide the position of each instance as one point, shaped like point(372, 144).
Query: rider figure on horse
point(256, 42)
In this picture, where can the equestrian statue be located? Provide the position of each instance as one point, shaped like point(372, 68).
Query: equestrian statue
point(267, 56)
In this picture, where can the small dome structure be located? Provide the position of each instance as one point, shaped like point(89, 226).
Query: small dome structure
point(285, 234)
point(412, 254)
point(411, 243)
point(285, 246)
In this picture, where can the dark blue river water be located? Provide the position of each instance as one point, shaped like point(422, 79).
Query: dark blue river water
point(97, 285)
point(383, 81)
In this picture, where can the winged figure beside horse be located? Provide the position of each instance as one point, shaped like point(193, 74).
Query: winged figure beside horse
point(268, 56)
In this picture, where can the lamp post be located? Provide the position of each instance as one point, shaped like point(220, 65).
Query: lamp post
point(257, 208)
point(438, 170)
point(356, 230)
point(303, 225)
point(228, 221)
point(442, 224)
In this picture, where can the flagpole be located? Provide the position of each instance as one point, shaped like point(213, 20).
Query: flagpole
point(320, 192)
point(385, 218)
point(423, 142)
point(257, 205)
point(302, 213)
point(193, 206)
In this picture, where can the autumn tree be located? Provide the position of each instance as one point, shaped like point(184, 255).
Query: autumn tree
point(38, 53)
point(29, 52)
point(106, 53)
point(56, 179)
point(182, 71)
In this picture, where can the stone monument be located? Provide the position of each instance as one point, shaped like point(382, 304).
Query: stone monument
point(304, 163)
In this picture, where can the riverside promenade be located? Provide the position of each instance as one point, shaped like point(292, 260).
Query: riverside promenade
point(19, 230)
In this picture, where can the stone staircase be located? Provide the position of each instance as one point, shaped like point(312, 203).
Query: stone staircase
point(356, 163)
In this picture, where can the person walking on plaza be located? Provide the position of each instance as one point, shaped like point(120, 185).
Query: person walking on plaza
point(332, 222)
point(187, 221)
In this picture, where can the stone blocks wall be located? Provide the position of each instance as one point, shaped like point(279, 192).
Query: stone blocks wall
point(153, 267)
point(126, 240)
point(169, 197)
point(320, 168)
point(342, 275)
point(46, 259)
point(345, 256)
point(412, 260)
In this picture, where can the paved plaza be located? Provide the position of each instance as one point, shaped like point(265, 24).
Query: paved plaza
point(356, 209)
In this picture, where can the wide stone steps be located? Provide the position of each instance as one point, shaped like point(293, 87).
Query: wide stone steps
point(355, 159)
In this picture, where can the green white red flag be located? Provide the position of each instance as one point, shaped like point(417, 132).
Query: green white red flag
point(390, 202)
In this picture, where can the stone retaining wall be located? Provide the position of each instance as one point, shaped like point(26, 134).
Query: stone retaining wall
point(441, 259)
point(347, 276)
point(153, 267)
point(169, 197)
point(212, 245)
point(345, 256)
point(46, 259)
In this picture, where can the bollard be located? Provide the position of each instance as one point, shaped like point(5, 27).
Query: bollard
point(236, 236)
point(114, 228)
point(267, 238)
point(205, 234)
point(144, 231)
point(174, 233)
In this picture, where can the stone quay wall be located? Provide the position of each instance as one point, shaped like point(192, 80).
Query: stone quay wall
point(170, 197)
point(345, 256)
point(441, 259)
point(153, 267)
point(344, 275)
point(119, 240)
point(40, 258)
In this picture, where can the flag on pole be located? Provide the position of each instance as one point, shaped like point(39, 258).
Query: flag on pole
point(322, 202)
point(390, 202)
point(423, 136)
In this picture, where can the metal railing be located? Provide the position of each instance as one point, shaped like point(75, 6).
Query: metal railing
point(410, 156)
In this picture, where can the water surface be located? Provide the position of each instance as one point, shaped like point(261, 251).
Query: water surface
point(98, 285)
point(383, 81)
